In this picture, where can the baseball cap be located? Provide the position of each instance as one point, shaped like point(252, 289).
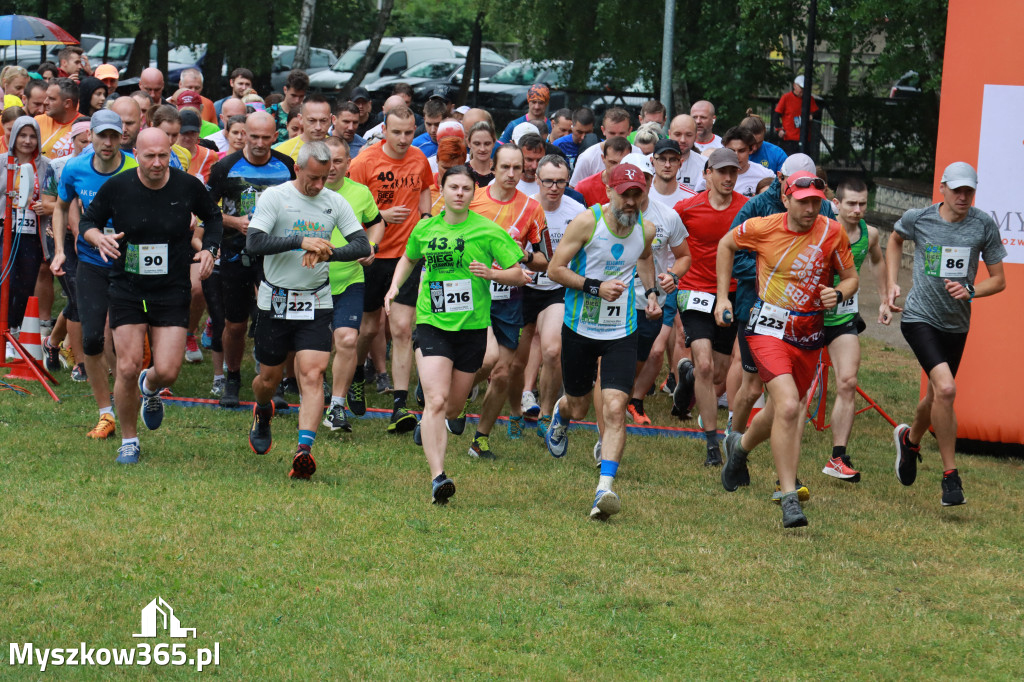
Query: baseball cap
point(450, 128)
point(641, 161)
point(524, 128)
point(538, 93)
point(441, 93)
point(105, 119)
point(189, 98)
point(723, 157)
point(799, 80)
point(960, 174)
point(106, 71)
point(462, 110)
point(667, 145)
point(190, 122)
point(360, 93)
point(802, 184)
point(625, 177)
point(798, 162)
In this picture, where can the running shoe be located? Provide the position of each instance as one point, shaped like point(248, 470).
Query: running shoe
point(420, 399)
point(735, 472)
point(802, 492)
point(557, 437)
point(417, 434)
point(152, 406)
point(952, 490)
point(728, 426)
point(481, 448)
point(792, 514)
point(206, 340)
point(192, 353)
point(67, 358)
point(531, 410)
point(714, 458)
point(230, 395)
point(278, 400)
point(78, 373)
point(303, 464)
point(105, 428)
point(723, 402)
point(637, 414)
point(217, 390)
point(682, 397)
point(606, 505)
point(337, 419)
point(402, 421)
point(290, 386)
point(356, 398)
point(597, 453)
point(475, 393)
point(458, 425)
point(128, 453)
point(51, 356)
point(542, 425)
point(327, 393)
point(515, 428)
point(384, 384)
point(906, 456)
point(669, 385)
point(369, 371)
point(442, 490)
point(841, 468)
point(259, 432)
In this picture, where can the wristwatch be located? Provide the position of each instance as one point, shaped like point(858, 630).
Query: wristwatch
point(652, 290)
point(839, 296)
point(214, 250)
point(970, 291)
point(375, 247)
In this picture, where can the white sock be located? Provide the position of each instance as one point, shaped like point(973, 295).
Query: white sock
point(605, 482)
point(338, 400)
point(107, 410)
point(149, 392)
point(125, 441)
point(218, 377)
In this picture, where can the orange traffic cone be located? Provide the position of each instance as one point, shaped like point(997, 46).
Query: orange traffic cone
point(29, 337)
point(758, 406)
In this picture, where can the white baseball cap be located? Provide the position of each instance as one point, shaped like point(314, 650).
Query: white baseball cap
point(641, 161)
point(799, 80)
point(524, 128)
point(960, 174)
point(798, 162)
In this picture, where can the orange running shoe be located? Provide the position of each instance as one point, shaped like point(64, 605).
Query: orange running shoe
point(638, 415)
point(104, 429)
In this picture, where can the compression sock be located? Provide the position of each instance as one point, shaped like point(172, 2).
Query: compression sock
point(608, 470)
point(306, 438)
point(400, 398)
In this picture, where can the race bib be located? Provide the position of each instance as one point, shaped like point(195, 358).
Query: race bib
point(695, 300)
point(613, 313)
point(500, 292)
point(146, 259)
point(452, 296)
point(848, 306)
point(26, 224)
point(771, 320)
point(300, 305)
point(954, 262)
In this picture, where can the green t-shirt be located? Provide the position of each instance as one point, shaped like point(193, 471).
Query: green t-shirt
point(451, 298)
point(360, 199)
point(206, 128)
point(859, 248)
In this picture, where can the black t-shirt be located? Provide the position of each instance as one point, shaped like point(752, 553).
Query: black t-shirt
point(156, 250)
point(236, 183)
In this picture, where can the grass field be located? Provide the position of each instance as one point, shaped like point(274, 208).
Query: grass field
point(356, 575)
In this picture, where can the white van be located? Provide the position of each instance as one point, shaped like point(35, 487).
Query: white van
point(394, 56)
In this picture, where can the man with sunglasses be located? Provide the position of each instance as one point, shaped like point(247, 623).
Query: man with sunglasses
point(798, 252)
point(948, 239)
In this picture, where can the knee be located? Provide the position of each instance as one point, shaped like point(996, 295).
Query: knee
point(435, 402)
point(500, 373)
point(945, 392)
point(129, 364)
point(704, 369)
point(846, 385)
point(345, 338)
point(92, 345)
point(787, 409)
point(551, 353)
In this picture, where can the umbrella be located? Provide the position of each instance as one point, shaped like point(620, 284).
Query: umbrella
point(18, 29)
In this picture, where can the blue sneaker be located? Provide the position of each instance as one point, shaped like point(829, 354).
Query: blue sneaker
point(152, 406)
point(556, 438)
point(417, 436)
point(442, 490)
point(542, 426)
point(128, 453)
point(515, 428)
point(206, 340)
point(606, 505)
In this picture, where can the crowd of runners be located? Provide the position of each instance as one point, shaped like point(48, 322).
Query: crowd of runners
point(560, 263)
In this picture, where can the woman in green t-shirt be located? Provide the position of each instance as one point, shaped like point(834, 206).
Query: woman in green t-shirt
point(453, 309)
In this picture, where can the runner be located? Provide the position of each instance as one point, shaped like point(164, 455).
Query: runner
point(797, 254)
point(582, 125)
point(523, 218)
point(82, 178)
point(151, 211)
point(290, 228)
point(61, 113)
point(666, 189)
point(452, 309)
point(843, 324)
point(295, 87)
point(708, 217)
point(616, 123)
point(741, 141)
point(317, 119)
point(594, 188)
point(683, 130)
point(599, 255)
point(703, 113)
point(948, 239)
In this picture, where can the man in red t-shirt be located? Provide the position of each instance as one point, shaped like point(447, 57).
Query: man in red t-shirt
point(399, 177)
point(789, 111)
point(798, 254)
point(707, 217)
point(595, 188)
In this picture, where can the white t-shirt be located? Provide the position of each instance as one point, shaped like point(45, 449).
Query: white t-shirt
point(557, 221)
point(669, 233)
point(283, 211)
point(219, 139)
point(746, 182)
point(589, 162)
point(691, 170)
point(681, 192)
point(530, 189)
point(715, 143)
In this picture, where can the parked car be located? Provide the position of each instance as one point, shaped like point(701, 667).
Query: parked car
point(28, 55)
point(486, 55)
point(118, 54)
point(504, 93)
point(394, 56)
point(426, 76)
point(320, 59)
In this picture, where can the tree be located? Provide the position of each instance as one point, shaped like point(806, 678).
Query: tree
point(371, 49)
point(301, 60)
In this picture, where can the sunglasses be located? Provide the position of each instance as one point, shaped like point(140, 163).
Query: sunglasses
point(804, 183)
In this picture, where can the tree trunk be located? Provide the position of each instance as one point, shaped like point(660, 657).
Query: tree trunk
point(472, 70)
point(163, 45)
point(139, 58)
point(108, 28)
point(301, 60)
point(371, 50)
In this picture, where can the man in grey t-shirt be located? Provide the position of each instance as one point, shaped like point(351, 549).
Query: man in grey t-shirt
point(949, 237)
point(291, 228)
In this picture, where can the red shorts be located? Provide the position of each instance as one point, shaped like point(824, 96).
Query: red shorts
point(775, 357)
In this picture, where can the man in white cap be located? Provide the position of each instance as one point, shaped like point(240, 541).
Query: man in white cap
point(787, 117)
point(948, 239)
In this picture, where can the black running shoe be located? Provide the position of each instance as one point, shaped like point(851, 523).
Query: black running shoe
point(735, 472)
point(259, 432)
point(337, 420)
point(356, 398)
point(682, 396)
point(906, 456)
point(231, 389)
point(714, 458)
point(278, 399)
point(792, 514)
point(952, 490)
point(402, 421)
point(290, 386)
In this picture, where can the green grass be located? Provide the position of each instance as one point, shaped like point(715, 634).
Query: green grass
point(356, 575)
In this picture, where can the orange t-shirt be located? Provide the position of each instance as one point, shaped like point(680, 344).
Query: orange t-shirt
point(201, 163)
point(56, 137)
point(394, 182)
point(436, 200)
point(522, 217)
point(209, 110)
point(792, 265)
